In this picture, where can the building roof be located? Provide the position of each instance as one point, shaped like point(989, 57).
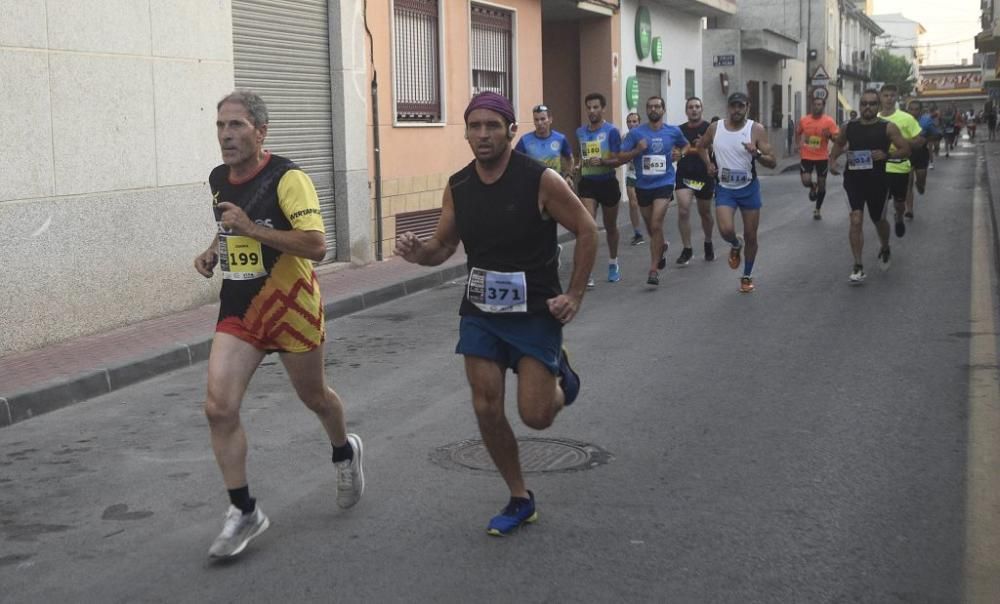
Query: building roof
point(898, 18)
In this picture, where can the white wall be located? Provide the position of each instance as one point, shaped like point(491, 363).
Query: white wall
point(682, 49)
point(107, 109)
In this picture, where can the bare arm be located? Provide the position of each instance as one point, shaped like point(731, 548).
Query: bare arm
point(442, 245)
point(558, 200)
point(703, 144)
point(759, 140)
point(305, 244)
point(205, 262)
point(896, 138)
point(839, 146)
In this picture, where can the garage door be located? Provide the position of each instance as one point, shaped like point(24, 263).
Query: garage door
point(281, 49)
point(650, 84)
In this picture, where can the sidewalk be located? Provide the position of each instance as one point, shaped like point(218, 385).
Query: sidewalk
point(43, 380)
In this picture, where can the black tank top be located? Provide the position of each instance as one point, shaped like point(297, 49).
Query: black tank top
point(503, 230)
point(691, 165)
point(867, 137)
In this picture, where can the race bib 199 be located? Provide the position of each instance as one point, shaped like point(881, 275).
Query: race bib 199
point(733, 177)
point(495, 292)
point(654, 165)
point(860, 160)
point(240, 258)
point(694, 185)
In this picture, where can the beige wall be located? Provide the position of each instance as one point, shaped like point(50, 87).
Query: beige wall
point(107, 108)
point(417, 160)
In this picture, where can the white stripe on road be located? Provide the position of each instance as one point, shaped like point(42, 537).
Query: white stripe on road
point(981, 566)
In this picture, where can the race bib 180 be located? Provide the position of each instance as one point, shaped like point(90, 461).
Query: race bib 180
point(240, 258)
point(495, 292)
point(591, 149)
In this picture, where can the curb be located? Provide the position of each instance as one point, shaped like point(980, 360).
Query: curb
point(993, 193)
point(64, 392)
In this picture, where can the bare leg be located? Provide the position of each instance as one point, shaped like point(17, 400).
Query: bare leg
point(231, 364)
point(610, 217)
point(707, 222)
point(654, 216)
point(539, 397)
point(857, 234)
point(684, 199)
point(486, 378)
point(751, 218)
point(633, 209)
point(305, 370)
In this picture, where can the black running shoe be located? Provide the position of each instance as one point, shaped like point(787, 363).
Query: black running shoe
point(685, 256)
point(812, 193)
point(662, 264)
point(709, 251)
point(900, 227)
point(653, 278)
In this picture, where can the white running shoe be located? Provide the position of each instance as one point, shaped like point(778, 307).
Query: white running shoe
point(857, 275)
point(884, 259)
point(237, 531)
point(591, 284)
point(351, 475)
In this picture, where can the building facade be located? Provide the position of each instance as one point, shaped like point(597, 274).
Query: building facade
point(902, 37)
point(110, 105)
point(959, 85)
point(857, 41)
point(988, 44)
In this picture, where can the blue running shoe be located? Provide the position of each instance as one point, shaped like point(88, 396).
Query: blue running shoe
point(614, 273)
point(518, 511)
point(569, 380)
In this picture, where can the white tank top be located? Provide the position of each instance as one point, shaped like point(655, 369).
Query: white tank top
point(737, 167)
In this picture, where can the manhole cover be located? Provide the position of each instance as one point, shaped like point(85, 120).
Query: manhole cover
point(537, 455)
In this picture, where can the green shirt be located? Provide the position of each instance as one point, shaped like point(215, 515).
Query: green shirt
point(910, 128)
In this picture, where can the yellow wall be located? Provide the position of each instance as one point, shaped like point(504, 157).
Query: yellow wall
point(417, 160)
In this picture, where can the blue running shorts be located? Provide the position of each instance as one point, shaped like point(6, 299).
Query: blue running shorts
point(747, 198)
point(505, 339)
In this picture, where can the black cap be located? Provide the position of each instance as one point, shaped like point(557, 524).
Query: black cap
point(738, 97)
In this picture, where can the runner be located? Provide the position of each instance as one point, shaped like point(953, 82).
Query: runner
point(504, 209)
point(899, 169)
point(920, 155)
point(868, 142)
point(269, 229)
point(649, 147)
point(599, 146)
point(632, 120)
point(547, 146)
point(950, 126)
point(738, 144)
point(813, 136)
point(693, 183)
point(990, 115)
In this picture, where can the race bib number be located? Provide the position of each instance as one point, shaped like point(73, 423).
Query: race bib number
point(734, 177)
point(240, 258)
point(591, 149)
point(495, 292)
point(654, 165)
point(695, 185)
point(860, 160)
point(814, 142)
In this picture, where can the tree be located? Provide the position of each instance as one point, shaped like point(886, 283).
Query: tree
point(892, 69)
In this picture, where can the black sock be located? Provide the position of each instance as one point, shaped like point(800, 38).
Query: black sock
point(241, 498)
point(820, 195)
point(343, 453)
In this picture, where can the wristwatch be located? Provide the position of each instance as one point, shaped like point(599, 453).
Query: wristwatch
point(758, 153)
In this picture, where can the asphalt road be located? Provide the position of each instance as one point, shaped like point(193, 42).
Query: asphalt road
point(806, 443)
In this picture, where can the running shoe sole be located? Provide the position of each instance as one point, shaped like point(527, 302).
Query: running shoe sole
point(497, 533)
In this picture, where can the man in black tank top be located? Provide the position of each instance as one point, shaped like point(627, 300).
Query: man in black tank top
point(504, 208)
point(693, 182)
point(867, 141)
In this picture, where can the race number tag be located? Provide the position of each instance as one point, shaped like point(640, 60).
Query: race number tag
point(694, 185)
point(591, 149)
point(654, 165)
point(814, 142)
point(860, 160)
point(495, 292)
point(240, 258)
point(734, 177)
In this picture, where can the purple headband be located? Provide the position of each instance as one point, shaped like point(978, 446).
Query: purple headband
point(493, 102)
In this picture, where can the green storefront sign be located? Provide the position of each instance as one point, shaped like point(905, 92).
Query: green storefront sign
point(657, 49)
point(632, 93)
point(643, 32)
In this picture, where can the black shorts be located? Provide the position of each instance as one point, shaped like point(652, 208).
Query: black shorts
point(920, 158)
point(607, 192)
point(647, 196)
point(821, 166)
point(899, 184)
point(867, 190)
point(688, 180)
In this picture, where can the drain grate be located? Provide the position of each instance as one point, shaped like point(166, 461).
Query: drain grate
point(537, 455)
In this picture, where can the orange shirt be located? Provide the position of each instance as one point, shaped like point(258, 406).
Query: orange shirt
point(816, 136)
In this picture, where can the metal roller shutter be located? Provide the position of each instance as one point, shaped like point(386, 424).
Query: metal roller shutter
point(281, 49)
point(650, 84)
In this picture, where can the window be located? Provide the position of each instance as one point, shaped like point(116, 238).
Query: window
point(688, 83)
point(492, 57)
point(417, 79)
point(777, 114)
point(753, 91)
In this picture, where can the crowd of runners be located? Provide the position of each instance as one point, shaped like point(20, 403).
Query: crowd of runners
point(504, 208)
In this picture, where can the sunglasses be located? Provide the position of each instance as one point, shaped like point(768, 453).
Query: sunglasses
point(539, 108)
